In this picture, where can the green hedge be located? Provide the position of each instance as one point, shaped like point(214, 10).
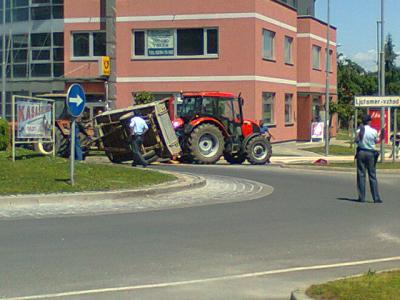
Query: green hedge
point(4, 134)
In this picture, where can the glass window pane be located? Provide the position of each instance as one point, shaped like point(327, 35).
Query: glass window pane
point(58, 70)
point(20, 55)
point(58, 39)
point(288, 50)
point(58, 1)
point(268, 107)
point(41, 70)
point(190, 41)
point(316, 52)
point(40, 54)
point(41, 39)
point(21, 14)
point(20, 41)
point(99, 44)
point(40, 1)
point(58, 12)
point(288, 108)
point(268, 45)
point(58, 54)
point(18, 3)
point(139, 43)
point(212, 41)
point(40, 13)
point(81, 44)
point(20, 71)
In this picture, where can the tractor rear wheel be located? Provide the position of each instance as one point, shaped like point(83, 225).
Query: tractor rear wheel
point(234, 159)
point(258, 150)
point(206, 144)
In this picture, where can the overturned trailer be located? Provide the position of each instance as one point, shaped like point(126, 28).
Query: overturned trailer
point(160, 141)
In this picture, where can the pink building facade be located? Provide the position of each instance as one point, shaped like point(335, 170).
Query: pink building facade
point(259, 48)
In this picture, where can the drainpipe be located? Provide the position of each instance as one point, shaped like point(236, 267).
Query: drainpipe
point(111, 51)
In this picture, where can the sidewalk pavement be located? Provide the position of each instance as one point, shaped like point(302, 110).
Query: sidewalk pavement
point(296, 153)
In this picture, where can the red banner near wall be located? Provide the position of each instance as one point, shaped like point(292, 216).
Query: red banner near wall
point(376, 121)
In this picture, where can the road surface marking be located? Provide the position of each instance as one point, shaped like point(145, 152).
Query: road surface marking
point(388, 237)
point(205, 280)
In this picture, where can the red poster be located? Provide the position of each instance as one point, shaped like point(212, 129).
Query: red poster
point(376, 121)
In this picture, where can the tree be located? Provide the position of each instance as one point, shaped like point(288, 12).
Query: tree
point(353, 81)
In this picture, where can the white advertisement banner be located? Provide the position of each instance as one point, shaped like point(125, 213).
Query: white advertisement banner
point(376, 101)
point(34, 119)
point(317, 130)
point(160, 42)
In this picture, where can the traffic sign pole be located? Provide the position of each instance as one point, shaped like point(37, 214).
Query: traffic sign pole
point(72, 157)
point(76, 101)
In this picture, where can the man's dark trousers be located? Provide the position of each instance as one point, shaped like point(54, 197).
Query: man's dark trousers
point(136, 144)
point(366, 161)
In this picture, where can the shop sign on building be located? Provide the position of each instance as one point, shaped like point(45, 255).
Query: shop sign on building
point(160, 42)
point(377, 101)
point(104, 66)
point(34, 119)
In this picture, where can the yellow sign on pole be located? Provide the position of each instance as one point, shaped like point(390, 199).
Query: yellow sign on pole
point(104, 66)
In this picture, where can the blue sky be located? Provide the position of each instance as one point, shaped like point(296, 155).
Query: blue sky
point(356, 24)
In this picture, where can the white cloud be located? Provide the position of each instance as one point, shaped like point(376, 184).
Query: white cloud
point(368, 59)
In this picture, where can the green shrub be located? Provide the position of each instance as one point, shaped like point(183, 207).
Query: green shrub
point(4, 134)
point(144, 97)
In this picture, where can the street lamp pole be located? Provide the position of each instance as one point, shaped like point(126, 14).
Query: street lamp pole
point(4, 65)
point(378, 52)
point(382, 73)
point(327, 96)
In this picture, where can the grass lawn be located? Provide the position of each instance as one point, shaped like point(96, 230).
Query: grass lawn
point(385, 165)
point(32, 173)
point(333, 150)
point(371, 286)
point(343, 135)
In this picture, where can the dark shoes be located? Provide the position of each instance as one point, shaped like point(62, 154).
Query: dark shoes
point(378, 201)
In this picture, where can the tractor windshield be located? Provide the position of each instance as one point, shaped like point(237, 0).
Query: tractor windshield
point(217, 107)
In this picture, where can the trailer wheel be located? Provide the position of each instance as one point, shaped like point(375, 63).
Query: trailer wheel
point(206, 144)
point(258, 150)
point(234, 159)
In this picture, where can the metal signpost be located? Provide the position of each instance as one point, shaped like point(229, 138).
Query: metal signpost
point(75, 101)
point(381, 102)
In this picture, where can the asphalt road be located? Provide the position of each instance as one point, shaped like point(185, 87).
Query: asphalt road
point(308, 230)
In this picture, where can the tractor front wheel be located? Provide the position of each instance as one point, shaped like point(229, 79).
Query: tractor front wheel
point(206, 144)
point(258, 150)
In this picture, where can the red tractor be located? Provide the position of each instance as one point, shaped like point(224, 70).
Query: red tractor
point(211, 124)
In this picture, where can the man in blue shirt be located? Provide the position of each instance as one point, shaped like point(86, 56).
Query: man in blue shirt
point(138, 128)
point(367, 157)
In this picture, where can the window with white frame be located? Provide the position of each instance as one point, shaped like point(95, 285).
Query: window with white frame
point(316, 57)
point(175, 43)
point(288, 108)
point(268, 107)
point(88, 45)
point(268, 44)
point(288, 50)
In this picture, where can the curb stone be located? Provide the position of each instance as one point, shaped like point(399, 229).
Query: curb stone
point(183, 182)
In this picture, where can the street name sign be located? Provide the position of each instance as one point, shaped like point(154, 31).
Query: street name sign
point(377, 101)
point(76, 100)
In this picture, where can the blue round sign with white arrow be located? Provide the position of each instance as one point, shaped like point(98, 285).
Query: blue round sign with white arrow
point(76, 100)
